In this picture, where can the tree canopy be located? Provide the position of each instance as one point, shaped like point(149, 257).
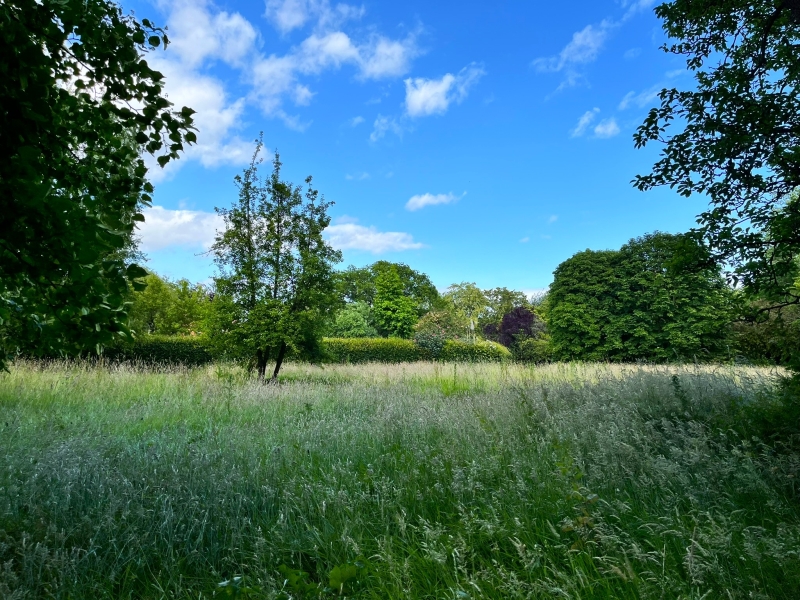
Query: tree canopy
point(633, 304)
point(738, 142)
point(79, 106)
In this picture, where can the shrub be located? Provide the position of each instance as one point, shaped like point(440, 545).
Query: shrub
point(362, 350)
point(534, 350)
point(164, 349)
point(431, 342)
point(353, 321)
point(455, 351)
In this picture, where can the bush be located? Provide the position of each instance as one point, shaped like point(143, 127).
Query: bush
point(534, 350)
point(431, 342)
point(164, 349)
point(361, 350)
point(455, 351)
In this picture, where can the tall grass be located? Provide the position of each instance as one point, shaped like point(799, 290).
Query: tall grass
point(394, 481)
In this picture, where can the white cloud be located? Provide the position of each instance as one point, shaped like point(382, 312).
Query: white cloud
point(423, 200)
point(525, 240)
point(632, 53)
point(552, 219)
point(382, 126)
point(356, 121)
point(351, 236)
point(583, 123)
point(357, 176)
point(586, 44)
point(426, 97)
point(607, 128)
point(163, 228)
point(583, 48)
point(196, 34)
point(635, 6)
point(288, 15)
point(642, 99)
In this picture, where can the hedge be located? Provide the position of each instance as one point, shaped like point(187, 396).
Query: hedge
point(163, 349)
point(454, 351)
point(361, 350)
point(193, 351)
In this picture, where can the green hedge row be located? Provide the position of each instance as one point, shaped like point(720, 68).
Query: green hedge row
point(361, 350)
point(454, 351)
point(193, 351)
point(166, 349)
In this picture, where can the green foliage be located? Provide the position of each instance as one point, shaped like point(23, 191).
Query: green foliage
point(363, 350)
point(432, 342)
point(163, 350)
point(353, 321)
point(738, 143)
point(167, 308)
point(395, 312)
point(479, 351)
point(275, 290)
point(770, 337)
point(534, 350)
point(468, 302)
point(445, 323)
point(359, 284)
point(632, 304)
point(80, 108)
point(499, 302)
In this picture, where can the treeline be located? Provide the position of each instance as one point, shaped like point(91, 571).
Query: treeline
point(658, 298)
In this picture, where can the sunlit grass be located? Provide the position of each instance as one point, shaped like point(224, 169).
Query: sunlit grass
point(439, 481)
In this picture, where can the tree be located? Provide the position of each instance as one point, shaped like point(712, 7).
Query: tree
point(359, 284)
point(500, 301)
point(353, 321)
point(395, 312)
point(740, 138)
point(518, 324)
point(276, 286)
point(167, 308)
point(79, 106)
point(634, 304)
point(469, 302)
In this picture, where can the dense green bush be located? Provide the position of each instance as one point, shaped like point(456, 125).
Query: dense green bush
point(456, 351)
point(534, 350)
point(361, 350)
point(164, 349)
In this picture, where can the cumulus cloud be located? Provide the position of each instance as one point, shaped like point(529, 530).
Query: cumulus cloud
point(607, 128)
point(426, 97)
point(584, 122)
point(352, 236)
point(164, 228)
point(423, 200)
point(196, 34)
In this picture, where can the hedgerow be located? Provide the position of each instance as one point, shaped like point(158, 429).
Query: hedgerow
point(457, 351)
point(163, 349)
point(363, 350)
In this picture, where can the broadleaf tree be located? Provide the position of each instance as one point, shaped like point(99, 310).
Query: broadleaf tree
point(79, 106)
point(275, 288)
point(636, 304)
point(735, 135)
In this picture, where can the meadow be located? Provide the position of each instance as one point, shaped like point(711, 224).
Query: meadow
point(421, 480)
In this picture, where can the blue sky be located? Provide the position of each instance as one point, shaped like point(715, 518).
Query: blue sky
point(474, 141)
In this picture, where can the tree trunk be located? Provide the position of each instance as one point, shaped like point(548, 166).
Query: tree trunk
point(279, 361)
point(262, 356)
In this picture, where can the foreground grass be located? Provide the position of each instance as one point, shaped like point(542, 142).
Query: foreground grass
point(402, 481)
